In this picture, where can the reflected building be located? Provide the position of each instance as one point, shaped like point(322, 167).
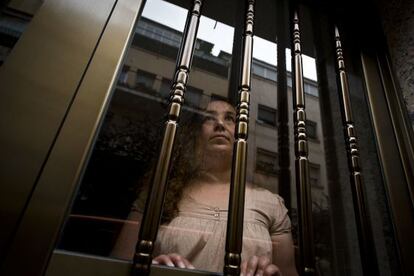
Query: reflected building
point(147, 73)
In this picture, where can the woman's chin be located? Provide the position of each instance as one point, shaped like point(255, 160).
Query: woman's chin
point(220, 149)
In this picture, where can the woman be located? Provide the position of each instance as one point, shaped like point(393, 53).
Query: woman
point(193, 229)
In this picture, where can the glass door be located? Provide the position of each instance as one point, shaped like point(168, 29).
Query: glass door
point(207, 138)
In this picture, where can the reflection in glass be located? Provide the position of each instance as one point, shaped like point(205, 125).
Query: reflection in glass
point(193, 227)
point(107, 210)
point(14, 17)
point(128, 142)
point(106, 214)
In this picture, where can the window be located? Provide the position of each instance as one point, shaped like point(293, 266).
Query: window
point(267, 162)
point(123, 78)
point(311, 129)
point(314, 175)
point(165, 87)
point(193, 95)
point(311, 89)
point(264, 72)
point(258, 70)
point(267, 115)
point(145, 80)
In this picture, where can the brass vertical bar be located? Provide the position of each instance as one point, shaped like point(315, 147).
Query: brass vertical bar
point(153, 209)
point(366, 243)
point(234, 236)
point(303, 188)
point(236, 53)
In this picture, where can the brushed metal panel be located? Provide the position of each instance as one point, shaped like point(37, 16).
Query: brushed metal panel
point(37, 84)
point(401, 123)
point(391, 164)
point(45, 212)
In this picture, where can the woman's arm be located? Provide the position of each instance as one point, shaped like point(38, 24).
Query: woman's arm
point(284, 253)
point(125, 245)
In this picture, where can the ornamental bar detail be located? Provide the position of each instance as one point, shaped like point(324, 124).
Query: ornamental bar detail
point(307, 258)
point(234, 236)
point(153, 209)
point(366, 243)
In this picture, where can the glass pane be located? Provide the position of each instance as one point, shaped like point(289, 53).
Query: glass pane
point(335, 230)
point(105, 208)
point(268, 227)
point(194, 220)
point(15, 15)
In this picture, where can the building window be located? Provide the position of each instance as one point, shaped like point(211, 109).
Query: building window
point(267, 162)
point(193, 95)
point(311, 89)
point(145, 80)
point(123, 78)
point(314, 175)
point(267, 115)
point(258, 70)
point(165, 88)
point(311, 129)
point(264, 72)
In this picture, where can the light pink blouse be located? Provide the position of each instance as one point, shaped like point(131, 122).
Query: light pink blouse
point(199, 231)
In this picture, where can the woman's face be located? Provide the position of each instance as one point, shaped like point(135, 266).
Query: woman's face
point(217, 130)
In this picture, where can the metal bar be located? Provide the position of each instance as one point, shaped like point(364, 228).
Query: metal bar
point(307, 255)
point(282, 106)
point(366, 243)
point(234, 236)
point(153, 209)
point(236, 53)
point(400, 122)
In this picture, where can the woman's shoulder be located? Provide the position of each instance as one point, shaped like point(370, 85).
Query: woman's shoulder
point(271, 205)
point(263, 194)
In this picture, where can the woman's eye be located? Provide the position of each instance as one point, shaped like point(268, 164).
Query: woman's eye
point(230, 118)
point(209, 118)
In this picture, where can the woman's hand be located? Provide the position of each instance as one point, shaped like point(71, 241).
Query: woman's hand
point(173, 260)
point(258, 266)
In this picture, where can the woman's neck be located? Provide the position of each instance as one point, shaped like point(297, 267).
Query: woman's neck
point(215, 176)
point(215, 167)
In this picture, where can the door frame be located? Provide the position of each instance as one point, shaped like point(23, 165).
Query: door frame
point(87, 85)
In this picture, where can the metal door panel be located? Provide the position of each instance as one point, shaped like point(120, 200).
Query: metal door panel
point(38, 82)
point(70, 149)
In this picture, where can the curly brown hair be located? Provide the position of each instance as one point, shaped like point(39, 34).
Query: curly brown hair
point(185, 167)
